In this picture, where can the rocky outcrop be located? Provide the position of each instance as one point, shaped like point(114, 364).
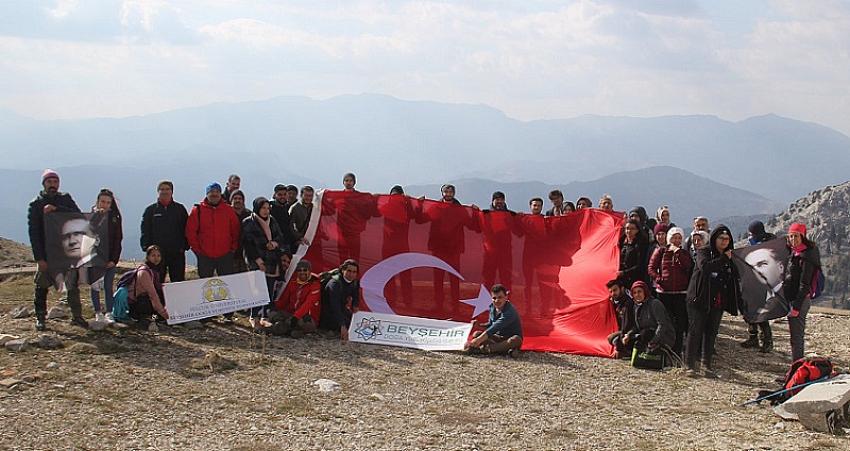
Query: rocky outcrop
point(826, 213)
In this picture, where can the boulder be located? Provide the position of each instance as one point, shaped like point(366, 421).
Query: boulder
point(18, 345)
point(9, 382)
point(327, 385)
point(4, 338)
point(57, 313)
point(20, 312)
point(98, 326)
point(823, 405)
point(45, 341)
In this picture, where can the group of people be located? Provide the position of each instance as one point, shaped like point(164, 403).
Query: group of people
point(691, 275)
point(672, 290)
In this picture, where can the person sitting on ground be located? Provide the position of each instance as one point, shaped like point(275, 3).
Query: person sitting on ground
point(652, 329)
point(342, 297)
point(299, 306)
point(144, 293)
point(624, 309)
point(606, 203)
point(261, 238)
point(503, 330)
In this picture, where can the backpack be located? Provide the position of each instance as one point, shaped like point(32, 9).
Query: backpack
point(807, 369)
point(121, 297)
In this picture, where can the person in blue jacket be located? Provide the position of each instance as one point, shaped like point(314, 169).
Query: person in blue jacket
point(503, 331)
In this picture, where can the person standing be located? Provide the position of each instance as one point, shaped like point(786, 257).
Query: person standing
point(261, 237)
point(559, 207)
point(758, 235)
point(631, 254)
point(106, 210)
point(299, 217)
point(164, 224)
point(669, 269)
point(233, 184)
point(50, 200)
point(802, 269)
point(280, 212)
point(212, 231)
point(714, 287)
point(237, 202)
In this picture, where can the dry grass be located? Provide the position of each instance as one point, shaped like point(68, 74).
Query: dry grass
point(135, 390)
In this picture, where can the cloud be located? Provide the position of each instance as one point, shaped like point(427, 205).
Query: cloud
point(536, 58)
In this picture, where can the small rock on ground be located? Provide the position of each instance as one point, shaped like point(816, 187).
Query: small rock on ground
point(326, 385)
point(57, 313)
point(16, 345)
point(20, 312)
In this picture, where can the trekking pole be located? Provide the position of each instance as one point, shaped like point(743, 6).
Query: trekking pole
point(777, 393)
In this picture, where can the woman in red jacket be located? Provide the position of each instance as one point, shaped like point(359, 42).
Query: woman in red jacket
point(669, 268)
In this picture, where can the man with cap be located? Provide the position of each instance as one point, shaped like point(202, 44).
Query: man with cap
point(502, 333)
point(164, 224)
point(212, 231)
point(50, 201)
point(757, 235)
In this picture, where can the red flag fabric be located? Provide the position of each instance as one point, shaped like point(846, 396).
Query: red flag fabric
point(436, 259)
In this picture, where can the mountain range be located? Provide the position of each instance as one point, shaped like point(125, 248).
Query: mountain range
point(387, 141)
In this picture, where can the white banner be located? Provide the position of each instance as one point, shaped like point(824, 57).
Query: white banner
point(408, 331)
point(197, 299)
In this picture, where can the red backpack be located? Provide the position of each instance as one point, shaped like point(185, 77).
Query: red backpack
point(807, 369)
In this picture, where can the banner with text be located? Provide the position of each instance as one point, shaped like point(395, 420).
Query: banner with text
point(408, 331)
point(197, 299)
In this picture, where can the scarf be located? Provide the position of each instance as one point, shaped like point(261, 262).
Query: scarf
point(264, 224)
point(799, 249)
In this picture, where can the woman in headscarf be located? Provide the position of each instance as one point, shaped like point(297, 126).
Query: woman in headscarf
point(802, 270)
point(714, 288)
point(261, 238)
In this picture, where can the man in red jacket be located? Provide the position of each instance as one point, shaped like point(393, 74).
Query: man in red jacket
point(212, 232)
point(302, 298)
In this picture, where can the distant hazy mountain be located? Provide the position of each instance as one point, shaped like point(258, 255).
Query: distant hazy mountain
point(135, 189)
point(686, 194)
point(388, 141)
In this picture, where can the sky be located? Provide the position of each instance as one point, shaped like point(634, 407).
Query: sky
point(532, 59)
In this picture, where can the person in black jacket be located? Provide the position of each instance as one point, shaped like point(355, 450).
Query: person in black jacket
point(280, 212)
point(164, 224)
point(715, 286)
point(758, 235)
point(106, 210)
point(632, 249)
point(48, 201)
point(237, 201)
point(340, 299)
point(625, 311)
point(652, 328)
point(803, 265)
point(261, 239)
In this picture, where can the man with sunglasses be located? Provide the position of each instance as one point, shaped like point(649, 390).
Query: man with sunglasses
point(503, 331)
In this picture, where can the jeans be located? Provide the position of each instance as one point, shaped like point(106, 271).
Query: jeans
point(797, 327)
point(108, 278)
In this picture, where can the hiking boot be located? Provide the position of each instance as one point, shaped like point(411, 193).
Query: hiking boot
point(109, 318)
point(79, 321)
point(710, 372)
point(40, 324)
point(99, 317)
point(752, 342)
point(766, 347)
point(513, 353)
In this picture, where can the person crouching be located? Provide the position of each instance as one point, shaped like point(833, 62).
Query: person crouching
point(652, 330)
point(503, 333)
point(298, 307)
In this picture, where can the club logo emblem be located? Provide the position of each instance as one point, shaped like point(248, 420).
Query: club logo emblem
point(215, 290)
point(368, 328)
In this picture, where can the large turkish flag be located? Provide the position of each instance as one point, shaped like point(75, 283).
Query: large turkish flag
point(438, 260)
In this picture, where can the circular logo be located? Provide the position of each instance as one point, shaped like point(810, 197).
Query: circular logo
point(215, 290)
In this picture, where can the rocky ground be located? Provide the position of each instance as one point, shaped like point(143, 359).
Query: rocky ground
point(216, 388)
point(14, 254)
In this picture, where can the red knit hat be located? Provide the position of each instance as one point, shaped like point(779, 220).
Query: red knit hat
point(641, 284)
point(48, 174)
point(798, 227)
point(660, 228)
